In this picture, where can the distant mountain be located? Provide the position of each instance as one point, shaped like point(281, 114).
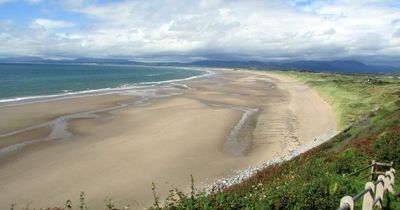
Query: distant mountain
point(340, 66)
point(25, 59)
point(83, 60)
point(102, 61)
point(343, 66)
point(231, 64)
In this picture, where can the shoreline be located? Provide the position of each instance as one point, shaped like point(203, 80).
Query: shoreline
point(59, 128)
point(103, 91)
point(238, 118)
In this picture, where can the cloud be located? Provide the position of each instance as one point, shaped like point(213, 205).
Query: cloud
point(5, 25)
point(50, 24)
point(184, 30)
point(331, 31)
point(208, 4)
point(397, 33)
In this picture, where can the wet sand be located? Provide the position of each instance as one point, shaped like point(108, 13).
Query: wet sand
point(207, 129)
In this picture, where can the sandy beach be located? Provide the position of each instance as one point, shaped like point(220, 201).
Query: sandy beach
point(116, 145)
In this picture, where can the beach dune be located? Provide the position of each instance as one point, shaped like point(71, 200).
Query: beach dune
point(208, 129)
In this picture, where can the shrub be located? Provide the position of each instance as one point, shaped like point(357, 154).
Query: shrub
point(349, 160)
point(315, 186)
point(387, 147)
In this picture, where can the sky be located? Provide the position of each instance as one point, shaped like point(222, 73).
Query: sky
point(188, 30)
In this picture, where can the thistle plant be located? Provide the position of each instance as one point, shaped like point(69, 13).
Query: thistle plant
point(68, 204)
point(82, 205)
point(156, 199)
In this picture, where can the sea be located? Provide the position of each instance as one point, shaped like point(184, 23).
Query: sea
point(20, 82)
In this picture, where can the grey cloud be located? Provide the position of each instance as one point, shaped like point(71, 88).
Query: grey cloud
point(331, 31)
point(397, 33)
point(396, 22)
point(6, 25)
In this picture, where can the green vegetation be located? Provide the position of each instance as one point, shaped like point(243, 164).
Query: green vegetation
point(387, 147)
point(353, 96)
point(369, 108)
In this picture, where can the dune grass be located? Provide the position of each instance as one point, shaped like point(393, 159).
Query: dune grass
point(353, 96)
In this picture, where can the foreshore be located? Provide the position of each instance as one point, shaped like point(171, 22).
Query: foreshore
point(115, 146)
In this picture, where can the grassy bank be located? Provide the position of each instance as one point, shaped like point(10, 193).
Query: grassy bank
point(353, 96)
